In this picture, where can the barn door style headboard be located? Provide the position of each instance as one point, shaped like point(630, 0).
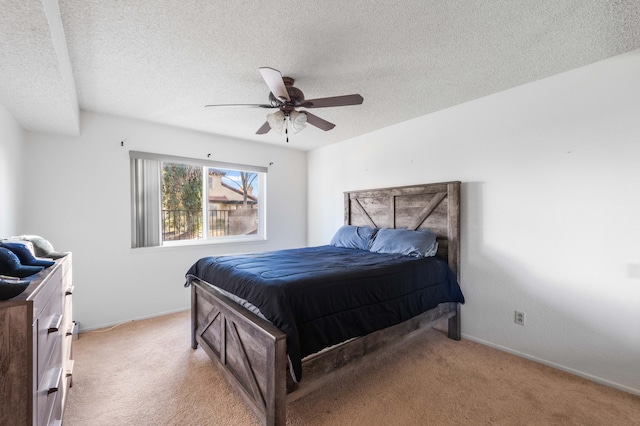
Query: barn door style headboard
point(434, 206)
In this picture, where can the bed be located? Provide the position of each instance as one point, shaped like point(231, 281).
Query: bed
point(275, 342)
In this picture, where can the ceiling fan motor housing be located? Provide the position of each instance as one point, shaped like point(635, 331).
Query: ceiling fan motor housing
point(294, 93)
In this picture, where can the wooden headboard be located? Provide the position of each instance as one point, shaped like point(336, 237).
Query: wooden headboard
point(435, 206)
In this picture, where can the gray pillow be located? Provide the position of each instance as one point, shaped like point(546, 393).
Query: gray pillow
point(357, 237)
point(402, 241)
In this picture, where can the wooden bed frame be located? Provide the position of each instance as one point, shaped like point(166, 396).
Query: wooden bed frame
point(251, 352)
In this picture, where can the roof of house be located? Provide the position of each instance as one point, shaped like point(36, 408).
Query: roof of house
point(252, 199)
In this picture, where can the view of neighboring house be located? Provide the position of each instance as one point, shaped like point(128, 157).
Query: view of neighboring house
point(223, 196)
point(231, 211)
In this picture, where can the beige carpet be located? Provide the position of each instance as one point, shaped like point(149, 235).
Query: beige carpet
point(145, 373)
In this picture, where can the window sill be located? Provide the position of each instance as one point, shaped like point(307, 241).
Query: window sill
point(220, 241)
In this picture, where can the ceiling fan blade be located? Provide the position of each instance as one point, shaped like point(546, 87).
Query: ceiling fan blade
point(243, 105)
point(274, 80)
point(264, 128)
point(314, 120)
point(333, 101)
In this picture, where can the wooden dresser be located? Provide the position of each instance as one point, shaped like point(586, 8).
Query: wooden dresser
point(35, 349)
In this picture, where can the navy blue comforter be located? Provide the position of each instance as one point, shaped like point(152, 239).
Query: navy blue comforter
point(321, 296)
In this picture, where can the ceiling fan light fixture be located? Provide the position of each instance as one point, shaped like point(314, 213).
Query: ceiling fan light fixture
point(298, 121)
point(277, 121)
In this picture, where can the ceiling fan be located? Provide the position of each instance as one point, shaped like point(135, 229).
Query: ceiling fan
point(287, 99)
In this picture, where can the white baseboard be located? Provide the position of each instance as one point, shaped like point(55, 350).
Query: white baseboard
point(560, 367)
point(144, 317)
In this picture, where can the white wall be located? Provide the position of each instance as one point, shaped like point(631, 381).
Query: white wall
point(550, 211)
point(78, 197)
point(11, 172)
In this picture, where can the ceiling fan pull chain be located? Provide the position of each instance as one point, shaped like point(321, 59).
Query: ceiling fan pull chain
point(286, 132)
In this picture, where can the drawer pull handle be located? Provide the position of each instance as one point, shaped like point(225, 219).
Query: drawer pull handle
point(55, 324)
point(68, 291)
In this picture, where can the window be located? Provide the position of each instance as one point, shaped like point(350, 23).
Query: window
point(176, 200)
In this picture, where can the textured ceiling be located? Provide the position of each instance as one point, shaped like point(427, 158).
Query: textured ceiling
point(163, 60)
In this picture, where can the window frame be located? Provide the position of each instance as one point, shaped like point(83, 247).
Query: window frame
point(139, 206)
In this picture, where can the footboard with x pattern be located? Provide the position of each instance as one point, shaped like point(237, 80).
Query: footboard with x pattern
point(251, 351)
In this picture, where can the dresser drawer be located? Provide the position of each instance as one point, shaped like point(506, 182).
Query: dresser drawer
point(51, 333)
point(49, 394)
point(66, 269)
point(68, 321)
point(51, 287)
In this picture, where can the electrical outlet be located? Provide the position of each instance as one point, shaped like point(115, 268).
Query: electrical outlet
point(519, 318)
